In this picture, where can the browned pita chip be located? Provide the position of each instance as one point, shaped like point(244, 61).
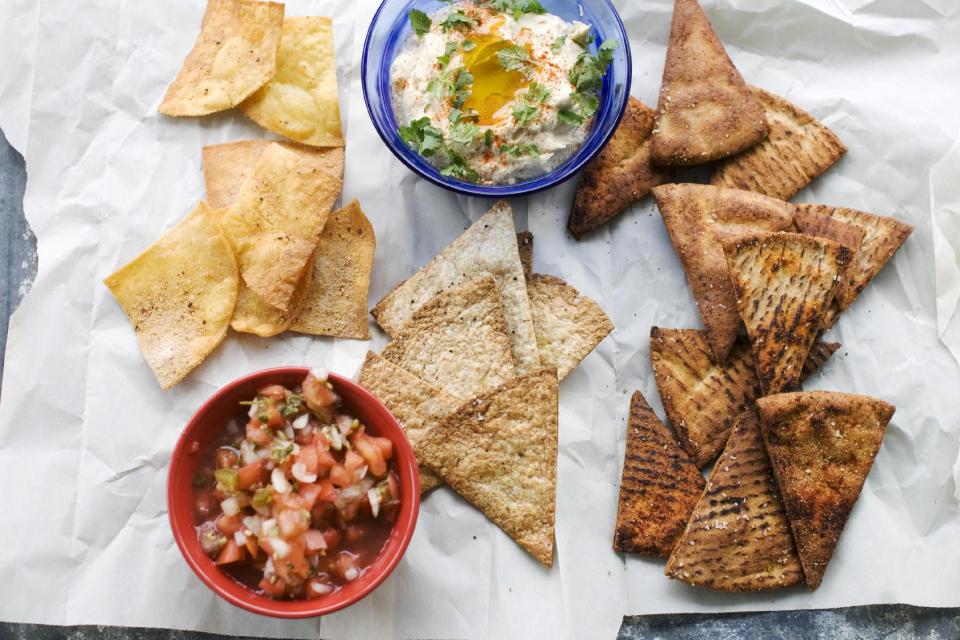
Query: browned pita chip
point(821, 352)
point(784, 283)
point(821, 225)
point(659, 488)
point(822, 445)
point(798, 150)
point(698, 218)
point(706, 111)
point(253, 315)
point(620, 175)
point(525, 246)
point(499, 451)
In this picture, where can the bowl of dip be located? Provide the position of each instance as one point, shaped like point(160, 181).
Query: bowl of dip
point(496, 98)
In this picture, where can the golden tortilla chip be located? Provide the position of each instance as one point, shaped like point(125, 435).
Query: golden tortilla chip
point(416, 404)
point(179, 295)
point(699, 218)
point(822, 445)
point(706, 111)
point(821, 225)
point(568, 325)
point(487, 248)
point(525, 247)
point(784, 283)
point(234, 55)
point(253, 315)
point(458, 341)
point(738, 538)
point(659, 487)
point(499, 451)
point(620, 175)
point(799, 149)
point(300, 101)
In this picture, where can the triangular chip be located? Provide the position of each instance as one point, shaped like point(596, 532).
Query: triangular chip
point(300, 101)
point(499, 451)
point(525, 248)
point(821, 225)
point(659, 487)
point(336, 302)
point(798, 150)
point(822, 445)
point(620, 175)
point(179, 295)
point(253, 315)
point(784, 283)
point(706, 111)
point(487, 248)
point(738, 538)
point(458, 341)
point(698, 218)
point(416, 404)
point(568, 325)
point(234, 55)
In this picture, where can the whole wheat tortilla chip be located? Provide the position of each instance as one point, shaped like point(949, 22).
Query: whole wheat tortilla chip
point(336, 302)
point(253, 315)
point(821, 225)
point(300, 101)
point(234, 55)
point(706, 111)
point(738, 538)
point(568, 325)
point(699, 218)
point(416, 404)
point(227, 166)
point(620, 175)
point(799, 149)
point(458, 341)
point(659, 487)
point(487, 248)
point(179, 295)
point(525, 248)
point(499, 451)
point(822, 445)
point(784, 283)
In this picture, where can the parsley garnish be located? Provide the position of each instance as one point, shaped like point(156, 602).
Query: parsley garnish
point(517, 150)
point(444, 60)
point(459, 169)
point(587, 72)
point(528, 104)
point(514, 58)
point(463, 132)
point(461, 87)
point(488, 137)
point(423, 138)
point(558, 43)
point(419, 21)
point(457, 20)
point(469, 45)
point(516, 7)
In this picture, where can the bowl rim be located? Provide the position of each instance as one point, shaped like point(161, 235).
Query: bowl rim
point(255, 603)
point(527, 187)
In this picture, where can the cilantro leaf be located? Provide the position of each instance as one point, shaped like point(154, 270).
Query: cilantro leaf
point(488, 137)
point(528, 104)
point(516, 7)
point(605, 53)
point(461, 87)
point(459, 169)
point(444, 60)
point(558, 43)
point(463, 132)
point(422, 137)
point(517, 150)
point(419, 21)
point(458, 20)
point(469, 45)
point(514, 58)
point(588, 103)
point(568, 117)
point(587, 72)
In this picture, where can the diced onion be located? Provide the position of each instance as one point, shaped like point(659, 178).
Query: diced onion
point(279, 481)
point(252, 523)
point(301, 422)
point(268, 568)
point(240, 538)
point(248, 453)
point(253, 410)
point(267, 525)
point(321, 588)
point(299, 471)
point(360, 473)
point(336, 440)
point(351, 573)
point(345, 423)
point(373, 495)
point(288, 431)
point(230, 507)
point(320, 373)
point(280, 548)
point(315, 540)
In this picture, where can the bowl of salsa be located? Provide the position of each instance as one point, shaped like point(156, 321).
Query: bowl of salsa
point(293, 492)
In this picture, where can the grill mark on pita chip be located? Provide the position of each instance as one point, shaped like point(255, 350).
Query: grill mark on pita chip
point(821, 225)
point(525, 248)
point(705, 111)
point(659, 487)
point(822, 445)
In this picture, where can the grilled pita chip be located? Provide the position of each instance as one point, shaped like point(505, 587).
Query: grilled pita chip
point(416, 404)
point(499, 451)
point(821, 352)
point(738, 538)
point(798, 150)
point(458, 341)
point(620, 175)
point(525, 247)
point(698, 218)
point(784, 283)
point(487, 248)
point(568, 325)
point(706, 111)
point(822, 445)
point(659, 488)
point(821, 225)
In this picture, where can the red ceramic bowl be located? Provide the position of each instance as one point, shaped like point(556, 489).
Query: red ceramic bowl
point(212, 417)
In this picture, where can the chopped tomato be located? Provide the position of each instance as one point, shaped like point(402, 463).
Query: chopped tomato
point(345, 567)
point(229, 525)
point(289, 501)
point(317, 394)
point(386, 446)
point(273, 392)
point(315, 542)
point(322, 491)
point(308, 456)
point(251, 474)
point(273, 586)
point(304, 437)
point(231, 553)
point(370, 453)
point(293, 522)
point(227, 458)
point(332, 537)
point(203, 502)
point(322, 513)
point(353, 462)
point(393, 486)
point(274, 417)
point(257, 434)
point(293, 568)
point(317, 587)
point(252, 547)
point(340, 477)
point(325, 459)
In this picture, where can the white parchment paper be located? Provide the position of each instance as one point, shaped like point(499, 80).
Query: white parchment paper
point(86, 434)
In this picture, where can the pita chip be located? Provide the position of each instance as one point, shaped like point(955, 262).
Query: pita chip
point(821, 225)
point(253, 315)
point(525, 247)
point(822, 445)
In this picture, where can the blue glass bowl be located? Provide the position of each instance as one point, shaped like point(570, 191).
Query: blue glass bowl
point(389, 30)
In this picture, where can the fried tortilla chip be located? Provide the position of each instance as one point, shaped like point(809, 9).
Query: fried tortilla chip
point(821, 225)
point(234, 55)
point(416, 404)
point(525, 247)
point(253, 315)
point(620, 175)
point(499, 451)
point(300, 101)
point(799, 149)
point(706, 111)
point(488, 247)
point(738, 538)
point(659, 488)
point(458, 341)
point(179, 295)
point(698, 218)
point(336, 302)
point(822, 445)
point(784, 283)
point(568, 325)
